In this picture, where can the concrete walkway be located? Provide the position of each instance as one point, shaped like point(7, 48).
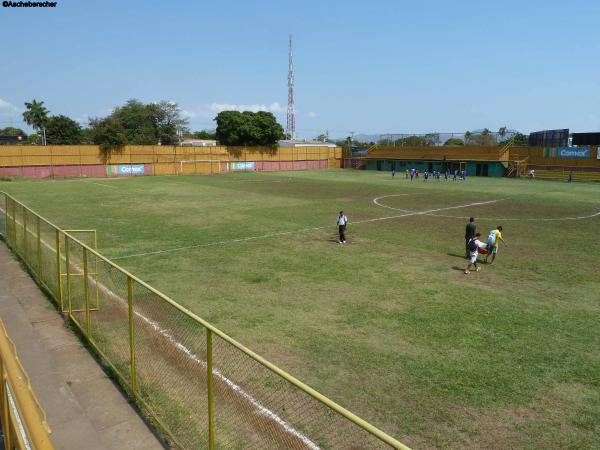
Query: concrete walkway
point(84, 408)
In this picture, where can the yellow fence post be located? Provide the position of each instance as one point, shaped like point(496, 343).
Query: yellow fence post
point(6, 217)
point(96, 271)
point(86, 294)
point(3, 400)
point(68, 264)
point(25, 253)
point(131, 339)
point(58, 272)
point(8, 441)
point(209, 385)
point(39, 248)
point(14, 217)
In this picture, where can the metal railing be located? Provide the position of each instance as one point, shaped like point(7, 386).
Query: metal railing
point(200, 387)
point(23, 420)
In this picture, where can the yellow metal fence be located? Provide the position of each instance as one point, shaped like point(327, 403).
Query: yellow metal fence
point(23, 420)
point(199, 386)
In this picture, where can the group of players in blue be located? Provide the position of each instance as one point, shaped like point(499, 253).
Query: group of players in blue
point(436, 174)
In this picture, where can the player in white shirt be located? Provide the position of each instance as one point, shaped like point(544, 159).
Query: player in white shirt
point(473, 247)
point(342, 221)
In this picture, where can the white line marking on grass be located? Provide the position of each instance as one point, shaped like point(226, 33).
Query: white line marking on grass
point(376, 201)
point(524, 219)
point(95, 182)
point(285, 233)
point(262, 410)
point(257, 181)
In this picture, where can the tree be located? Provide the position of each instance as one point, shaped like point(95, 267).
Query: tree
point(87, 137)
point(109, 134)
point(432, 139)
point(468, 136)
point(517, 139)
point(15, 132)
point(139, 122)
point(323, 138)
point(412, 141)
point(520, 139)
point(483, 138)
point(150, 124)
point(454, 142)
point(63, 130)
point(204, 135)
point(502, 132)
point(248, 128)
point(36, 115)
point(12, 131)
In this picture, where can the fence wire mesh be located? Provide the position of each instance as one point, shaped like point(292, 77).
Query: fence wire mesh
point(175, 366)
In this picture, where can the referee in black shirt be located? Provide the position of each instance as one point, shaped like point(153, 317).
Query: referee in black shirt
point(469, 234)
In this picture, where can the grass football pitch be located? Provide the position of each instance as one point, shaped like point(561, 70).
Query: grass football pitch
point(386, 325)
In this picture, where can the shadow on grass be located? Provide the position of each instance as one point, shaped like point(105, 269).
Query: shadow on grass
point(456, 255)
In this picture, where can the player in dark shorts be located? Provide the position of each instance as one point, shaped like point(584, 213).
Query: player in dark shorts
point(469, 234)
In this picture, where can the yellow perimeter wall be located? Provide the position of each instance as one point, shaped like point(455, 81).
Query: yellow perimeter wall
point(164, 158)
point(533, 155)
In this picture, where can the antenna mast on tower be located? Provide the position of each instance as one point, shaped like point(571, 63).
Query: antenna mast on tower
point(291, 109)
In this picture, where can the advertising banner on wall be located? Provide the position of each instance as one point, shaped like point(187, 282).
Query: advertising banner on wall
point(125, 169)
point(246, 165)
point(571, 152)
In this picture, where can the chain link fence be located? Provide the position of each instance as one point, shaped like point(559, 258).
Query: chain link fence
point(199, 387)
point(476, 138)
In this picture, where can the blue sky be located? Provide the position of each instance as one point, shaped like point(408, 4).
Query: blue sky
point(368, 67)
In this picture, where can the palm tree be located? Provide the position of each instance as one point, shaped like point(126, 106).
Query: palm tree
point(36, 116)
point(468, 135)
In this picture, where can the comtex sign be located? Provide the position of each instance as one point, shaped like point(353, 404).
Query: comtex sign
point(574, 152)
point(125, 169)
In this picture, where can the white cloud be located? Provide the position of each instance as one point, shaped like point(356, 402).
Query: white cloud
point(6, 105)
point(311, 114)
point(188, 114)
point(274, 107)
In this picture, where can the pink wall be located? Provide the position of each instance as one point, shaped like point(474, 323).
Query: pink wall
point(92, 170)
point(100, 171)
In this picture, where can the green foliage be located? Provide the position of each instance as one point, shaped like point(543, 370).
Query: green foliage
point(323, 138)
point(203, 134)
point(36, 114)
point(518, 139)
point(431, 139)
point(484, 138)
point(248, 128)
point(454, 142)
point(87, 137)
point(148, 124)
point(12, 131)
point(109, 134)
point(62, 130)
point(33, 139)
